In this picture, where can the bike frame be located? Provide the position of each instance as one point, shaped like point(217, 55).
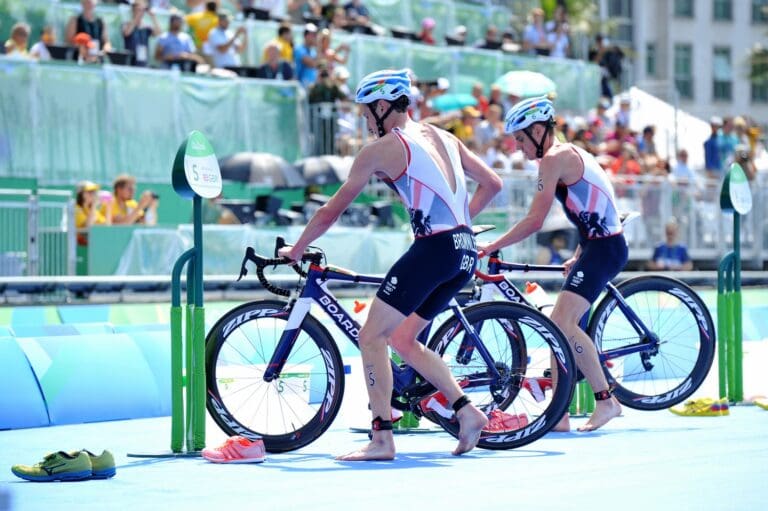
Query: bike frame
point(316, 290)
point(495, 279)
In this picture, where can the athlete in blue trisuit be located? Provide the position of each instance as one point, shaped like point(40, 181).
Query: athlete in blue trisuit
point(426, 167)
point(574, 177)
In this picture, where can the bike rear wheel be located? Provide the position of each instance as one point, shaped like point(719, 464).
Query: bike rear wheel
point(658, 379)
point(521, 341)
point(292, 410)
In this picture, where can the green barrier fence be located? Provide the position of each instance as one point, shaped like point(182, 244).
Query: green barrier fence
point(63, 123)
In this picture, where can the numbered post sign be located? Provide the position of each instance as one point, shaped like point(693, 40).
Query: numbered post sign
point(196, 169)
point(736, 194)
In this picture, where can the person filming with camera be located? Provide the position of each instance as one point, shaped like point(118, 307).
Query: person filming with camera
point(125, 209)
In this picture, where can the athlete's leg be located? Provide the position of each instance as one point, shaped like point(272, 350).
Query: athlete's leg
point(568, 310)
point(374, 336)
point(431, 366)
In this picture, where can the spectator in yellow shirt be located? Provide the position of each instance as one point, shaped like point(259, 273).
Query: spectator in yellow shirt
point(284, 42)
point(87, 212)
point(200, 23)
point(125, 210)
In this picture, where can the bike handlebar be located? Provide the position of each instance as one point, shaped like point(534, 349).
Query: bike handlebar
point(262, 262)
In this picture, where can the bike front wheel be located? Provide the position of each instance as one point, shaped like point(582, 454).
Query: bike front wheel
point(521, 341)
point(667, 374)
point(290, 411)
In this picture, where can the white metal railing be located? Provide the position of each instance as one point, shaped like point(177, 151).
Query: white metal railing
point(38, 232)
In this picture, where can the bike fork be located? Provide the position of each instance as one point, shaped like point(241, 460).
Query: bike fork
point(296, 316)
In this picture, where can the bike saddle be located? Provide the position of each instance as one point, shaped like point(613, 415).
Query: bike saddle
point(479, 229)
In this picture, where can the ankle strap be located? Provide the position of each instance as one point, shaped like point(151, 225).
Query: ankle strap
point(460, 403)
point(603, 395)
point(378, 424)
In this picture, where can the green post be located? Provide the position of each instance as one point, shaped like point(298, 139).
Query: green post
point(735, 196)
point(178, 425)
point(196, 176)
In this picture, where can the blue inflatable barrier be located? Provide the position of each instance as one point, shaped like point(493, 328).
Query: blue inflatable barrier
point(90, 378)
point(21, 402)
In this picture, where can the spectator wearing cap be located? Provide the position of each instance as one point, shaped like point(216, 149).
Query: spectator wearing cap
point(87, 206)
point(458, 37)
point(136, 33)
point(305, 57)
point(713, 163)
point(224, 46)
point(284, 42)
point(85, 46)
point(464, 127)
point(87, 22)
point(426, 35)
point(341, 76)
point(275, 68)
point(202, 22)
point(624, 114)
point(175, 45)
point(16, 45)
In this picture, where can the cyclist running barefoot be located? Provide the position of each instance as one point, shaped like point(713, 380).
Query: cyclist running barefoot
point(574, 177)
point(426, 167)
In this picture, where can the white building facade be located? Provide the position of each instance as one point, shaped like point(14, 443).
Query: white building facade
point(693, 52)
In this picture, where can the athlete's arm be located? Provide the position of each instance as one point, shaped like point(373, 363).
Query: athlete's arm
point(488, 182)
point(549, 174)
point(368, 161)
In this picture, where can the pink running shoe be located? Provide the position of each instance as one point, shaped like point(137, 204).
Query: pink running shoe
point(499, 422)
point(237, 449)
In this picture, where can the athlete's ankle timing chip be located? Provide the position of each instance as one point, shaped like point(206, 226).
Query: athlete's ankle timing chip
point(602, 395)
point(381, 425)
point(460, 403)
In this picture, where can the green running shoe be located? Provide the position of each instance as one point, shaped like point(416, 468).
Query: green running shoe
point(103, 465)
point(57, 466)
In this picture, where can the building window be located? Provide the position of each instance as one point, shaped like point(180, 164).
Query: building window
point(759, 76)
point(650, 59)
point(759, 11)
point(683, 66)
point(722, 10)
point(620, 13)
point(683, 8)
point(722, 74)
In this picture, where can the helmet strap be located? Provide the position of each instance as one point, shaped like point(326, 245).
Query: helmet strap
point(380, 120)
point(540, 143)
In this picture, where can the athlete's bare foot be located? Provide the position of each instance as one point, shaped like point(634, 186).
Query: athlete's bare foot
point(564, 425)
point(381, 448)
point(471, 423)
point(604, 411)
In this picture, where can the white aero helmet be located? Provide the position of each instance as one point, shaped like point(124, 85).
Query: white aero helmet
point(527, 112)
point(388, 84)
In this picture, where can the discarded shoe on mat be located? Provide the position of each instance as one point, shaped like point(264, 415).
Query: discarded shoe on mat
point(704, 407)
point(237, 449)
point(499, 422)
point(57, 466)
point(102, 466)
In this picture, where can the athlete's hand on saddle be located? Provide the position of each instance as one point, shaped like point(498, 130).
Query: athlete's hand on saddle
point(483, 250)
point(567, 266)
